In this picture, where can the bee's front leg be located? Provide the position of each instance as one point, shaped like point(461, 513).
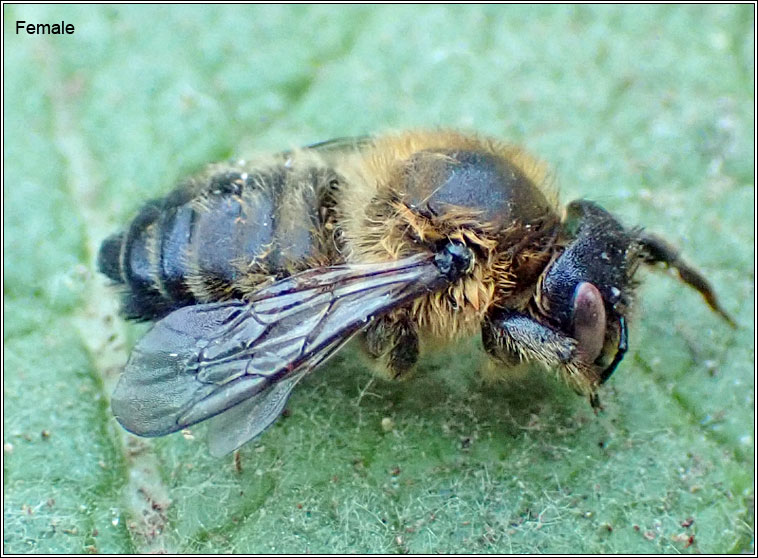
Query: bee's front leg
point(392, 341)
point(513, 338)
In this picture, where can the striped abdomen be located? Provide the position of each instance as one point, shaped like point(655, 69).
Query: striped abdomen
point(218, 237)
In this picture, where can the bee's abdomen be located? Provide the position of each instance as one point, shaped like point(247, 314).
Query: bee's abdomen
point(217, 241)
point(109, 257)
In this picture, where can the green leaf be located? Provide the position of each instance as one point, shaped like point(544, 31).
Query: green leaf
point(648, 110)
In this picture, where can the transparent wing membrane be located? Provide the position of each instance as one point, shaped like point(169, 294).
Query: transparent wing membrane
point(238, 361)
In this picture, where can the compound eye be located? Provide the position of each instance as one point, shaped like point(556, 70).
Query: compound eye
point(588, 320)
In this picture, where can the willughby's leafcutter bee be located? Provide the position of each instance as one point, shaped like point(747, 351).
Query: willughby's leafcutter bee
point(257, 272)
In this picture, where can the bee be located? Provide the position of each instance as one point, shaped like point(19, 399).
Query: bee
point(257, 272)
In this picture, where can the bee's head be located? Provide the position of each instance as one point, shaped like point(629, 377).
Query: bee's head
point(587, 290)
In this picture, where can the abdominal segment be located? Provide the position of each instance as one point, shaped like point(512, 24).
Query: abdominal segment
point(221, 241)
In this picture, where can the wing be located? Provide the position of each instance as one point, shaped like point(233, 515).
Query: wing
point(240, 360)
point(341, 144)
point(347, 143)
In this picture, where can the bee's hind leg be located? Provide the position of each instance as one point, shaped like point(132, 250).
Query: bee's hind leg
point(392, 342)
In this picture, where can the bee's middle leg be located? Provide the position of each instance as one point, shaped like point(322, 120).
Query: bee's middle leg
point(392, 342)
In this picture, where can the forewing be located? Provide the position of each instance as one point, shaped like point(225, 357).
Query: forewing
point(243, 358)
point(341, 144)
